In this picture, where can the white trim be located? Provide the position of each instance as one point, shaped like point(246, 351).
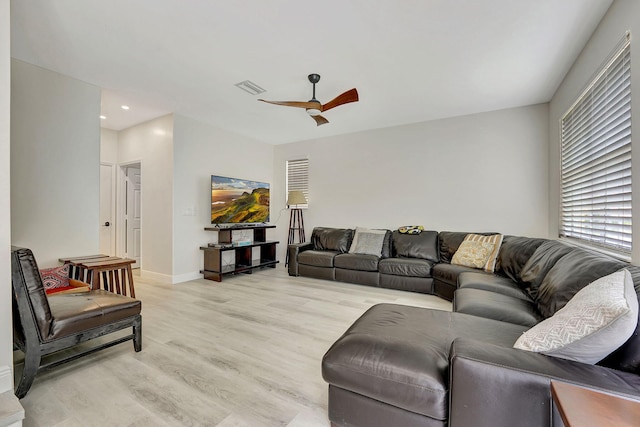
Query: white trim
point(160, 277)
point(12, 410)
point(186, 277)
point(6, 379)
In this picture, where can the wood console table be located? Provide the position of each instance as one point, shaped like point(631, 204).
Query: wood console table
point(116, 272)
point(582, 407)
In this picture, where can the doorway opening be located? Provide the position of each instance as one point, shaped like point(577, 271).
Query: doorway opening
point(129, 212)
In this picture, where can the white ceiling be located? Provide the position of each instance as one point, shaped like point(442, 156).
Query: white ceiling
point(411, 60)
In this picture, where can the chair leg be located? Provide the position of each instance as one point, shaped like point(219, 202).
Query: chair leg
point(137, 335)
point(29, 371)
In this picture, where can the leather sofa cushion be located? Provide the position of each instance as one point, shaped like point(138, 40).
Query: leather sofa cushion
point(448, 273)
point(497, 284)
point(571, 273)
point(514, 254)
point(542, 260)
point(317, 258)
point(491, 305)
point(449, 242)
point(73, 313)
point(360, 262)
point(331, 239)
point(399, 355)
point(412, 267)
point(423, 245)
point(407, 283)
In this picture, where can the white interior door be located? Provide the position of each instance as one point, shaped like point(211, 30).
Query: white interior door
point(107, 212)
point(132, 214)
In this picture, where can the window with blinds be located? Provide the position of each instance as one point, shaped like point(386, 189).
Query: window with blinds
point(298, 178)
point(596, 158)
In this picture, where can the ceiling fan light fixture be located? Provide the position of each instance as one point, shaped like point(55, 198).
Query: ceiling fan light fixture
point(313, 111)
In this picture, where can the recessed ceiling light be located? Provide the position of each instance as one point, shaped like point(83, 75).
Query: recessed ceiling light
point(124, 107)
point(103, 117)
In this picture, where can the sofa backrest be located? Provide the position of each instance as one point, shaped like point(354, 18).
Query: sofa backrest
point(332, 239)
point(386, 246)
point(571, 273)
point(29, 296)
point(557, 271)
point(539, 264)
point(423, 245)
point(514, 254)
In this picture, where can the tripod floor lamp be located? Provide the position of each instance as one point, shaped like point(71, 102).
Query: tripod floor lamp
point(296, 222)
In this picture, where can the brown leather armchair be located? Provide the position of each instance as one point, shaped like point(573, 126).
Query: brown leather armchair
point(44, 325)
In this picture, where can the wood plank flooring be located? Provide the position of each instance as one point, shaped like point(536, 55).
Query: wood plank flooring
point(243, 352)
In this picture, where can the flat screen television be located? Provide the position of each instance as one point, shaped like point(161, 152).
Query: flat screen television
point(238, 201)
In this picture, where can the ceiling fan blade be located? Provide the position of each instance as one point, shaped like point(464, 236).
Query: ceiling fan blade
point(320, 120)
point(345, 98)
point(297, 104)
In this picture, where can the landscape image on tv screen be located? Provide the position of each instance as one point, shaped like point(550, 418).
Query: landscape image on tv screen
point(236, 200)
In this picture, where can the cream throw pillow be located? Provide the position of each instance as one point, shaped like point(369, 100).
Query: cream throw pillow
point(367, 242)
point(594, 323)
point(478, 251)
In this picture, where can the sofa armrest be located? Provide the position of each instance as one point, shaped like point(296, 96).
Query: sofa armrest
point(294, 249)
point(492, 385)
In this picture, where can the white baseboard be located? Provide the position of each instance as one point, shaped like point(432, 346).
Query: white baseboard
point(12, 412)
point(179, 278)
point(6, 379)
point(159, 277)
point(169, 279)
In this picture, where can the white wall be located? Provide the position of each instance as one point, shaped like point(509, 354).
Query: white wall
point(6, 330)
point(622, 16)
point(200, 151)
point(108, 146)
point(55, 157)
point(151, 144)
point(483, 172)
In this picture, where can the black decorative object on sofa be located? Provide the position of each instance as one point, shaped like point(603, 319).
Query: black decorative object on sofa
point(43, 325)
point(410, 366)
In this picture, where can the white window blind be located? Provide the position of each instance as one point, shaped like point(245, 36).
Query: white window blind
point(596, 158)
point(298, 178)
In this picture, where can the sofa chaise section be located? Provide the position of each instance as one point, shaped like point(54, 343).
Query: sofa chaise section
point(413, 366)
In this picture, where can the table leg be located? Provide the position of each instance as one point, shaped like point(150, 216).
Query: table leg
point(130, 274)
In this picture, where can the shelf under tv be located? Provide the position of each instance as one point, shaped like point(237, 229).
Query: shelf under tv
point(215, 269)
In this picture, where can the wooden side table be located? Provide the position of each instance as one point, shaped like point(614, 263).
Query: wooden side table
point(114, 272)
point(75, 272)
point(583, 407)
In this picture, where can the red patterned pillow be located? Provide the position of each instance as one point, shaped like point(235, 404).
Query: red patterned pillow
point(56, 277)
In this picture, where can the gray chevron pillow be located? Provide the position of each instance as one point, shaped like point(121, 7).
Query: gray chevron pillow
point(594, 323)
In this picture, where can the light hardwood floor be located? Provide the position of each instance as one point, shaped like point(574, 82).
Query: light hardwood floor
point(243, 352)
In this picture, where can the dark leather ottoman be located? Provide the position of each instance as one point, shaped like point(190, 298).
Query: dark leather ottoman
point(391, 367)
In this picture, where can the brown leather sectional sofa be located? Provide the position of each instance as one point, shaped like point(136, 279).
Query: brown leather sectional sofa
point(410, 366)
point(418, 263)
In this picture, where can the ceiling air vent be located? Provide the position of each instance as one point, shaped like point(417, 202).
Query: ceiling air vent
point(250, 87)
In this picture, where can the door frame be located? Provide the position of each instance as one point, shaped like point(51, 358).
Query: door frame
point(114, 222)
point(121, 231)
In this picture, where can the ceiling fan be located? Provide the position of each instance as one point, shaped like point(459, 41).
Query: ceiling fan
point(314, 107)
